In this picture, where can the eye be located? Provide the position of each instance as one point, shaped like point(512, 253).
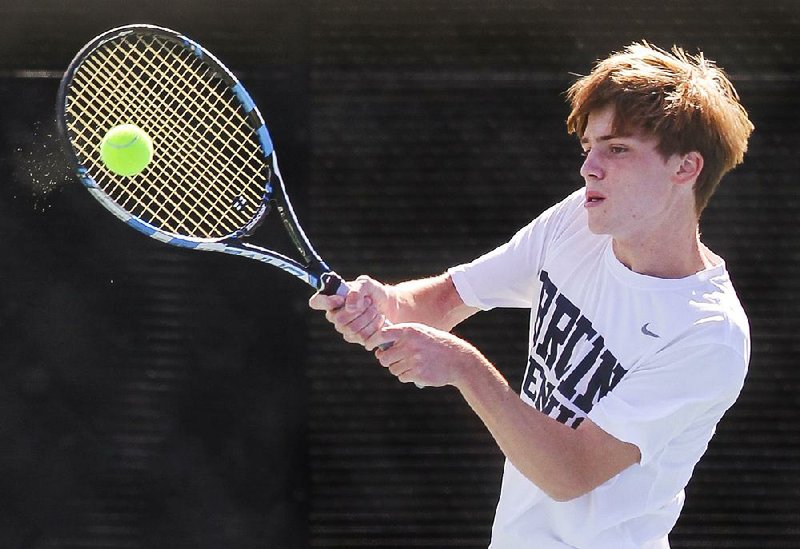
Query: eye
point(618, 149)
point(585, 153)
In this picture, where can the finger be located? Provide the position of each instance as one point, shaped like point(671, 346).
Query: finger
point(396, 352)
point(410, 377)
point(363, 327)
point(322, 302)
point(352, 322)
point(356, 300)
point(400, 368)
point(339, 318)
point(372, 334)
point(342, 317)
point(388, 355)
point(363, 320)
point(391, 334)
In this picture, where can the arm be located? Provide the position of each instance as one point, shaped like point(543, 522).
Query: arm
point(564, 462)
point(432, 301)
point(360, 315)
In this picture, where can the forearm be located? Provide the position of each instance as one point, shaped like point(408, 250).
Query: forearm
point(564, 462)
point(548, 453)
point(431, 301)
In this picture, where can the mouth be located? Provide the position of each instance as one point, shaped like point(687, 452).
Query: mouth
point(593, 198)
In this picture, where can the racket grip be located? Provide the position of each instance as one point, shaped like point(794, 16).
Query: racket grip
point(333, 284)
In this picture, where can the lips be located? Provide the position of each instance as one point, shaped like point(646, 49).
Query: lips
point(593, 198)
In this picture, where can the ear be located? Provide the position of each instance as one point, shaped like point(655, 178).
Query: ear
point(689, 167)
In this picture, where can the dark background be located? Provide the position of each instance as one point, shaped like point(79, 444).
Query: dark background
point(152, 397)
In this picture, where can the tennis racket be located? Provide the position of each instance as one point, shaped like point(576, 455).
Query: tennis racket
point(214, 174)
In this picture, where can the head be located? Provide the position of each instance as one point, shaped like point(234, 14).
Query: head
point(682, 101)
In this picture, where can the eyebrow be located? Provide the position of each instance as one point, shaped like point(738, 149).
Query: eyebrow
point(607, 137)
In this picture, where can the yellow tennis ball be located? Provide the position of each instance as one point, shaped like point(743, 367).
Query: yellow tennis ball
point(126, 150)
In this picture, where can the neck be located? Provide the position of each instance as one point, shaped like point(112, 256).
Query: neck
point(678, 256)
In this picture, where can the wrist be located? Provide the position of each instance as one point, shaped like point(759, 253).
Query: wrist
point(395, 304)
point(473, 372)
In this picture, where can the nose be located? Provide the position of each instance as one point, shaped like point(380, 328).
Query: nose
point(591, 168)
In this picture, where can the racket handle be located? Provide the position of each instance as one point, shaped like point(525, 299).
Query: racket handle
point(332, 284)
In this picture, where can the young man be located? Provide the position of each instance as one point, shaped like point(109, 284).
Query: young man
point(638, 343)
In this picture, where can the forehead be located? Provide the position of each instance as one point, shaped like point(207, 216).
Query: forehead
point(600, 119)
point(603, 124)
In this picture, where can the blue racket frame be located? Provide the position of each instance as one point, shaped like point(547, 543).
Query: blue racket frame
point(312, 270)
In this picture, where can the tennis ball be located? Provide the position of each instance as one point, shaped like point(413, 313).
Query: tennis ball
point(126, 150)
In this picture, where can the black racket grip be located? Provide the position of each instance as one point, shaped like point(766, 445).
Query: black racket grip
point(332, 284)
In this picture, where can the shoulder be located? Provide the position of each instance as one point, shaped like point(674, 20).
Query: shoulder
point(720, 317)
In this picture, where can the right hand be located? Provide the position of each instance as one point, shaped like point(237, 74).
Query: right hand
point(360, 314)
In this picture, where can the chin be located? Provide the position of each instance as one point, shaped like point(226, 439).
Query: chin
point(596, 227)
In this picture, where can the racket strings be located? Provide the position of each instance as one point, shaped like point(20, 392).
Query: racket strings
point(153, 194)
point(191, 105)
point(168, 200)
point(208, 173)
point(123, 192)
point(195, 151)
point(200, 145)
point(226, 136)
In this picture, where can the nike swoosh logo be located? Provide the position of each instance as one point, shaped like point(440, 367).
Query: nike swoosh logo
point(647, 332)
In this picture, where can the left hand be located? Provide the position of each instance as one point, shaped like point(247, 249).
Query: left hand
point(427, 356)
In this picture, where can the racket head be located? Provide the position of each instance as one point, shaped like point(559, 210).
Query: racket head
point(213, 171)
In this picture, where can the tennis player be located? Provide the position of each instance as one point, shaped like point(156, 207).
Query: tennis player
point(638, 342)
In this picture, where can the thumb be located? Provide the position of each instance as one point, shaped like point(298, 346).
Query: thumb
point(357, 300)
point(391, 333)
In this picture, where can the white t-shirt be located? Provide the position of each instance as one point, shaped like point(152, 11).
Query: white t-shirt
point(654, 362)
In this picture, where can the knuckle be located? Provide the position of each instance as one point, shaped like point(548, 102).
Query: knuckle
point(351, 335)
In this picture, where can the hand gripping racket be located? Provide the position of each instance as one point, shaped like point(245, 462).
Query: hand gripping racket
point(214, 174)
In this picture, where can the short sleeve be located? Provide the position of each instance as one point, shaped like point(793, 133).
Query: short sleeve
point(680, 390)
point(507, 275)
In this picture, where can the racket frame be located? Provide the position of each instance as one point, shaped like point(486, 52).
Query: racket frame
point(312, 269)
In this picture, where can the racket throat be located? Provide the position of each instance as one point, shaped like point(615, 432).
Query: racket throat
point(319, 269)
point(297, 237)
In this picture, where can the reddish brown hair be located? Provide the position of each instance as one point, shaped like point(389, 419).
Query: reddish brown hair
point(684, 100)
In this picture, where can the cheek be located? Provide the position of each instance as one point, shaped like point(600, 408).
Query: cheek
point(638, 205)
point(627, 208)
